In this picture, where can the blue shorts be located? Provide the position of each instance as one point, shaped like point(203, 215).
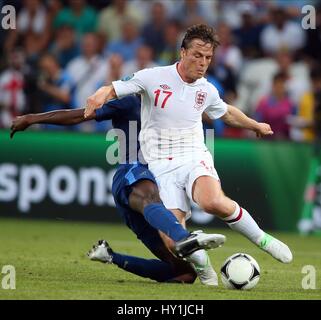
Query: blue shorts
point(125, 177)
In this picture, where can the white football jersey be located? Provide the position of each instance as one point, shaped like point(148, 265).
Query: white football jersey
point(171, 112)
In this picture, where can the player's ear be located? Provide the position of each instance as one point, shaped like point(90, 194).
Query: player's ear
point(183, 53)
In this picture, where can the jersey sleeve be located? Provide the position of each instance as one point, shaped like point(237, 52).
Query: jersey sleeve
point(116, 107)
point(133, 84)
point(216, 107)
point(107, 111)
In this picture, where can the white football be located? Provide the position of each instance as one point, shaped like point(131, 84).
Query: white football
point(240, 271)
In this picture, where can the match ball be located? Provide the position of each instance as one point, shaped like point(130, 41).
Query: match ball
point(240, 271)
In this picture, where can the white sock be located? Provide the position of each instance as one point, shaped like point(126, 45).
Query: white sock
point(242, 222)
point(198, 258)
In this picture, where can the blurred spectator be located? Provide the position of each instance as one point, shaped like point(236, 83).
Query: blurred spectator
point(64, 45)
point(223, 77)
point(208, 123)
point(247, 36)
point(32, 51)
point(171, 52)
point(114, 69)
point(87, 70)
point(112, 18)
point(55, 85)
point(307, 120)
point(129, 42)
point(282, 34)
point(227, 53)
point(12, 96)
point(144, 7)
point(79, 15)
point(53, 8)
point(99, 4)
point(33, 29)
point(189, 12)
point(276, 107)
point(317, 121)
point(230, 11)
point(153, 31)
point(293, 8)
point(297, 75)
point(256, 79)
point(144, 59)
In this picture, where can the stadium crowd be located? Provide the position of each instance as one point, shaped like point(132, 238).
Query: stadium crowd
point(63, 51)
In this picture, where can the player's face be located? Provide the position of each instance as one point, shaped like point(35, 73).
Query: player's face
point(196, 59)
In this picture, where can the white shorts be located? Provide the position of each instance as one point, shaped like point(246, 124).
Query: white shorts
point(175, 179)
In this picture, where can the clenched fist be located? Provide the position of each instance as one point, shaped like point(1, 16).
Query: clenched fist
point(263, 129)
point(19, 124)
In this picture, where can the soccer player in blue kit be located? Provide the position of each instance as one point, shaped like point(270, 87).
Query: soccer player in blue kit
point(137, 200)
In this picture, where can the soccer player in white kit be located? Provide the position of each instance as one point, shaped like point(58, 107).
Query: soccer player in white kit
point(173, 100)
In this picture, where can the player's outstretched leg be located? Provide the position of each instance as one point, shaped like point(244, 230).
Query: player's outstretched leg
point(155, 269)
point(208, 194)
point(242, 222)
point(170, 269)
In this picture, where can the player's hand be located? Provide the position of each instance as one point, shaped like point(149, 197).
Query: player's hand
point(263, 129)
point(19, 124)
point(94, 102)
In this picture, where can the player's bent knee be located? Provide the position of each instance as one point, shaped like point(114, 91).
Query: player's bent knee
point(151, 196)
point(143, 194)
point(216, 206)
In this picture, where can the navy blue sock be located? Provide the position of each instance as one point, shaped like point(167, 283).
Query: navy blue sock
point(164, 220)
point(147, 268)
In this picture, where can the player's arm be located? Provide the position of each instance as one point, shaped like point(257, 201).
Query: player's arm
point(236, 118)
point(136, 84)
point(59, 117)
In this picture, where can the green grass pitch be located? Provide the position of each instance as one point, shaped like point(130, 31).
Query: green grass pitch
point(50, 262)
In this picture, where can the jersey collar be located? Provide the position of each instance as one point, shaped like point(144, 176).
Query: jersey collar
point(193, 84)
